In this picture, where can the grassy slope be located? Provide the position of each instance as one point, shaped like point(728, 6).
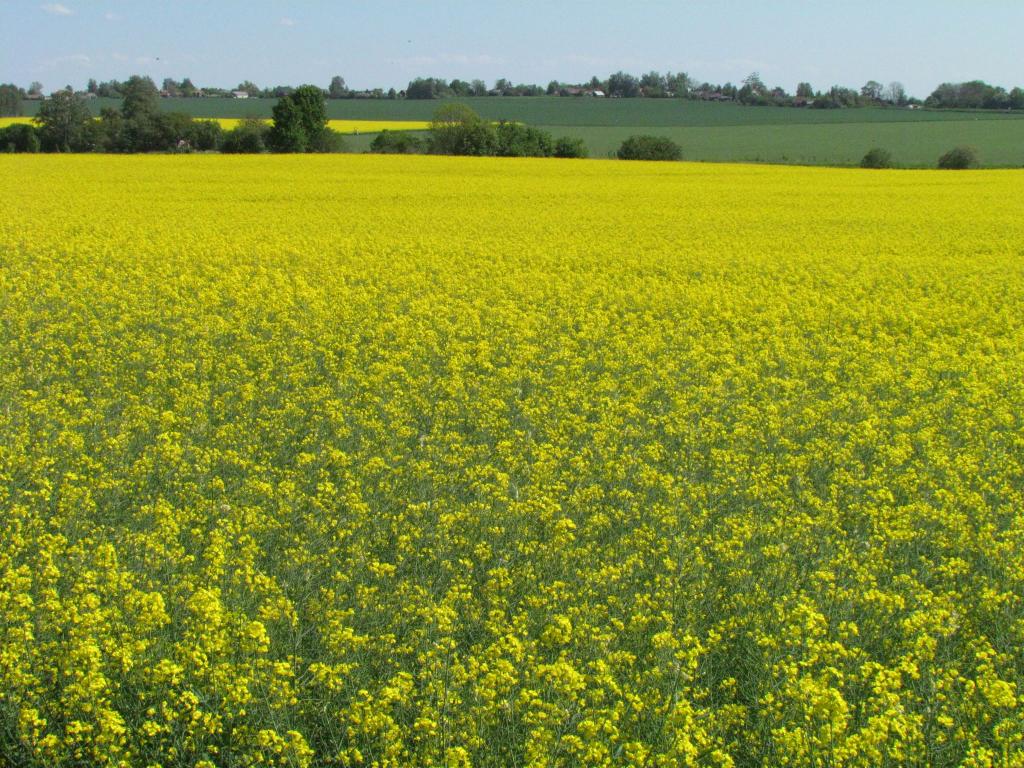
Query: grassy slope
point(707, 131)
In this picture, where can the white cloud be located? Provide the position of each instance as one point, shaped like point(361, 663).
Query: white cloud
point(286, 22)
point(57, 9)
point(111, 16)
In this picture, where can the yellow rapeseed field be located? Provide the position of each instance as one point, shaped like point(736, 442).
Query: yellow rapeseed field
point(423, 461)
point(342, 126)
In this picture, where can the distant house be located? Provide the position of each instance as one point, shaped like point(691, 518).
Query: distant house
point(240, 94)
point(597, 93)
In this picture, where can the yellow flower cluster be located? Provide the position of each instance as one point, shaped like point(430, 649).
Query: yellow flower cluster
point(342, 126)
point(393, 461)
point(348, 126)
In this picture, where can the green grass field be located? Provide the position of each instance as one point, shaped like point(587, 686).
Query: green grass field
point(913, 145)
point(706, 131)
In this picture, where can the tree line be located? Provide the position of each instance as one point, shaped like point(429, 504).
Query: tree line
point(299, 124)
point(752, 91)
point(64, 123)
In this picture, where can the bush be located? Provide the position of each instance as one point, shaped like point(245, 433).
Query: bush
point(205, 135)
point(518, 140)
point(19, 137)
point(570, 146)
point(328, 141)
point(650, 148)
point(959, 159)
point(458, 130)
point(249, 137)
point(395, 143)
point(877, 158)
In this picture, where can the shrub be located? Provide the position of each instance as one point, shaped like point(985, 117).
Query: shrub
point(328, 141)
point(458, 130)
point(205, 135)
point(877, 158)
point(570, 146)
point(959, 159)
point(249, 137)
point(19, 137)
point(650, 148)
point(395, 143)
point(518, 140)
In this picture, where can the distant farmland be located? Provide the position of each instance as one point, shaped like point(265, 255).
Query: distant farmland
point(706, 131)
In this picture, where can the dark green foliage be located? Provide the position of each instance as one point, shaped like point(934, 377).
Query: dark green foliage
point(328, 142)
point(141, 98)
point(649, 148)
point(300, 120)
point(959, 159)
point(570, 146)
point(396, 143)
point(518, 140)
point(205, 135)
point(19, 138)
point(66, 124)
point(975, 94)
point(877, 158)
point(10, 100)
point(109, 131)
point(249, 137)
point(427, 88)
point(458, 130)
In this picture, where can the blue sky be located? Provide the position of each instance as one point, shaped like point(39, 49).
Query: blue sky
point(387, 42)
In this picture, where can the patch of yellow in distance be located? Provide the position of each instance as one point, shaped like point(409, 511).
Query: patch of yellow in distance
point(347, 126)
point(342, 126)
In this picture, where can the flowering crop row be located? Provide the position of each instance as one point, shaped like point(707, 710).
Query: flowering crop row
point(342, 126)
point(392, 461)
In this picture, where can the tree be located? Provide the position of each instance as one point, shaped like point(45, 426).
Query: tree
point(896, 94)
point(650, 148)
point(65, 122)
point(804, 91)
point(623, 85)
point(653, 84)
point(337, 89)
point(10, 100)
point(91, 87)
point(756, 85)
point(188, 90)
point(171, 87)
point(36, 89)
point(479, 87)
point(141, 98)
point(959, 159)
point(872, 90)
point(250, 88)
point(679, 83)
point(460, 87)
point(300, 120)
point(458, 130)
point(426, 88)
point(1016, 97)
point(877, 158)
